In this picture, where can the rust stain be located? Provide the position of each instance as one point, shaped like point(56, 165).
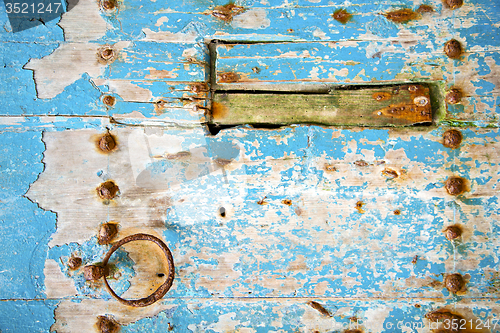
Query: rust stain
point(262, 201)
point(330, 167)
point(397, 212)
point(106, 54)
point(106, 324)
point(106, 143)
point(219, 111)
point(453, 4)
point(454, 283)
point(107, 190)
point(359, 207)
point(414, 260)
point(290, 31)
point(107, 232)
point(381, 96)
point(453, 232)
point(452, 138)
point(409, 112)
point(227, 12)
point(455, 185)
point(361, 163)
point(319, 308)
point(287, 202)
point(342, 15)
point(454, 96)
point(425, 9)
point(453, 49)
point(401, 15)
point(74, 263)
point(228, 77)
point(389, 173)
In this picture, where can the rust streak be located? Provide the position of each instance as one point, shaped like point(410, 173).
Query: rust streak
point(401, 15)
point(389, 173)
point(410, 112)
point(228, 77)
point(381, 96)
point(319, 308)
point(227, 12)
point(342, 16)
point(425, 9)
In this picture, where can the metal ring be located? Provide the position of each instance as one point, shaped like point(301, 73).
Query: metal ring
point(162, 290)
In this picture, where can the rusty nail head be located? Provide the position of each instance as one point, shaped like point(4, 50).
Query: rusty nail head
point(107, 143)
point(425, 9)
point(94, 272)
point(74, 263)
point(109, 100)
point(107, 325)
point(109, 4)
point(421, 101)
point(106, 54)
point(454, 4)
point(455, 185)
point(107, 232)
point(453, 96)
point(443, 315)
point(342, 16)
point(452, 138)
point(453, 232)
point(454, 282)
point(389, 173)
point(453, 48)
point(107, 190)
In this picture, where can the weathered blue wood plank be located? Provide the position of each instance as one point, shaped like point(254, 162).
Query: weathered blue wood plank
point(27, 316)
point(25, 228)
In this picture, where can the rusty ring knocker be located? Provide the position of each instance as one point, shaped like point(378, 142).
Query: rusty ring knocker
point(162, 290)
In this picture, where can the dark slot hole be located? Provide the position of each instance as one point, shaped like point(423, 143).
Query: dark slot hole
point(222, 211)
point(160, 275)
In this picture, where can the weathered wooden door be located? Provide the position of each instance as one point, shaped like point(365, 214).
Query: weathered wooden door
point(312, 165)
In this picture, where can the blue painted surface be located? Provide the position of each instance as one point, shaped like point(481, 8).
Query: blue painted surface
point(282, 256)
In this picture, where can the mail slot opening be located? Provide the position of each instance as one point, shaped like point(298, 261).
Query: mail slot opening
point(377, 106)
